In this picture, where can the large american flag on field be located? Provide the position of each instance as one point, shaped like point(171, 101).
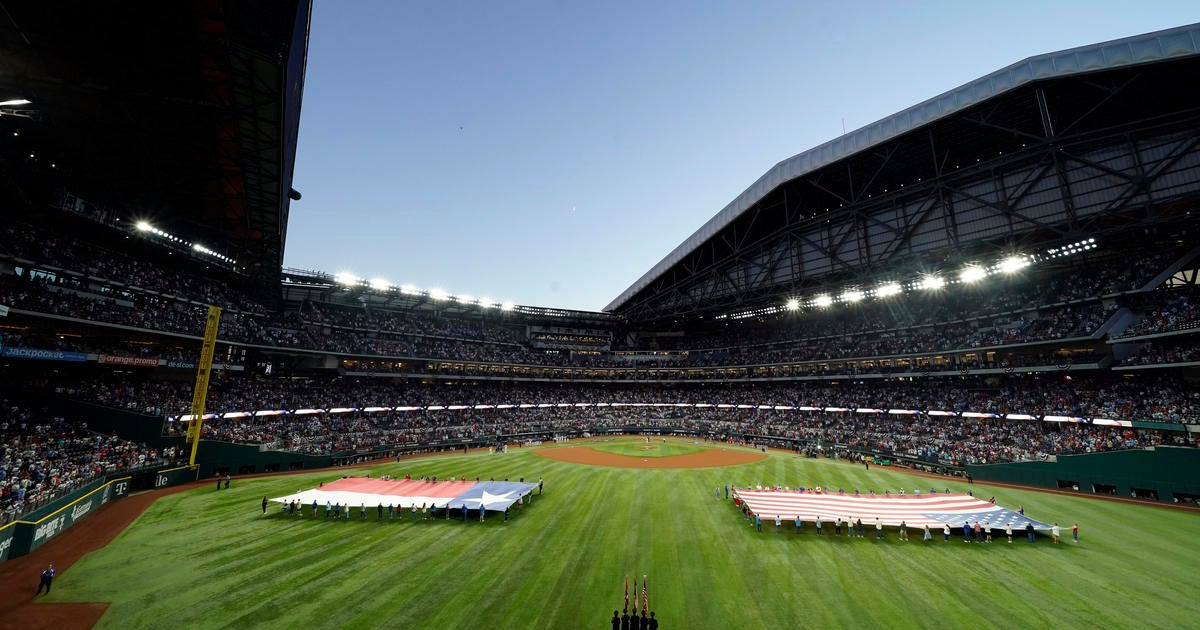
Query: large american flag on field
point(915, 510)
point(407, 493)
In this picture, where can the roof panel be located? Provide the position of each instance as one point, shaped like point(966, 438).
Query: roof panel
point(1145, 48)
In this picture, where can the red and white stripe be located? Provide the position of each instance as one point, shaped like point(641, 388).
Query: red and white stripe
point(889, 509)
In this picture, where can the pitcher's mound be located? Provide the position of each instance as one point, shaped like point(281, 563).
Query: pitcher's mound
point(705, 459)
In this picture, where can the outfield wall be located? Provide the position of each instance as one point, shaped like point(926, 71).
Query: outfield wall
point(1167, 471)
point(37, 528)
point(220, 458)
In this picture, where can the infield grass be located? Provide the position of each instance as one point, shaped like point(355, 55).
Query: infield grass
point(207, 558)
point(642, 449)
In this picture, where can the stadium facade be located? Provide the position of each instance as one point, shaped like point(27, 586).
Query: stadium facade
point(1013, 258)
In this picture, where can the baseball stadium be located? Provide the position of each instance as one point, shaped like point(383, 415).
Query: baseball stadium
point(940, 371)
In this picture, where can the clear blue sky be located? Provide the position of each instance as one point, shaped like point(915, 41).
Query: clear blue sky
point(550, 153)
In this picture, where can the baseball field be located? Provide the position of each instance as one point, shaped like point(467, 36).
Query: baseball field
point(208, 558)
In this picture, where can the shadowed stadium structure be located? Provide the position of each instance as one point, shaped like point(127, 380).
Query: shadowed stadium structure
point(998, 283)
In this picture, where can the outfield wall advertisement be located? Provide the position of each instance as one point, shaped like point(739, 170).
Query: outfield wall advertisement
point(40, 526)
point(6, 540)
point(23, 536)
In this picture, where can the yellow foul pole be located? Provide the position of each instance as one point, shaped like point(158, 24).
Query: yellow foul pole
point(202, 373)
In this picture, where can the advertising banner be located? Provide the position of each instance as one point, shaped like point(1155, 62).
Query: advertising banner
point(29, 535)
point(46, 355)
point(114, 359)
point(6, 540)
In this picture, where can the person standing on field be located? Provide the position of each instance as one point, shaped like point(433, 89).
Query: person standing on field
point(46, 579)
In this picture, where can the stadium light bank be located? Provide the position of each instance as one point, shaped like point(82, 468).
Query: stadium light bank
point(146, 227)
point(382, 285)
point(970, 274)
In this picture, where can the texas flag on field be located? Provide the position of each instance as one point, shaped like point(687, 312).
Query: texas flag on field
point(407, 493)
point(915, 510)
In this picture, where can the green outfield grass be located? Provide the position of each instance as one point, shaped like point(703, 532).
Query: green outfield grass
point(205, 558)
point(642, 449)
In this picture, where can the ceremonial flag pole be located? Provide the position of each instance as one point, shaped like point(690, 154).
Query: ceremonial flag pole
point(645, 597)
point(627, 593)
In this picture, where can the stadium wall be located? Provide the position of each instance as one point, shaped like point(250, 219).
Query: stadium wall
point(129, 425)
point(220, 458)
point(1166, 473)
point(37, 528)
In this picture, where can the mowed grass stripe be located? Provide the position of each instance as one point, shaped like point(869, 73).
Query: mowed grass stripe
point(210, 559)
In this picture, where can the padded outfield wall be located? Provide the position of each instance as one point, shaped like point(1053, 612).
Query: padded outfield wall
point(1169, 472)
point(37, 528)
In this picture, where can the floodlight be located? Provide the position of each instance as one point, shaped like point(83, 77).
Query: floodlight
point(465, 299)
point(143, 226)
point(486, 302)
point(380, 284)
point(409, 289)
point(823, 300)
point(972, 274)
point(507, 306)
point(345, 278)
point(890, 288)
point(439, 294)
point(933, 282)
point(793, 304)
point(853, 295)
point(1013, 263)
point(16, 101)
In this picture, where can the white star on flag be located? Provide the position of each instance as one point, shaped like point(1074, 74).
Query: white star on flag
point(488, 499)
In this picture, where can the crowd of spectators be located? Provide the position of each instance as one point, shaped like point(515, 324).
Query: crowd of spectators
point(1152, 398)
point(1174, 310)
point(1166, 351)
point(1027, 307)
point(952, 440)
point(43, 457)
point(47, 249)
point(148, 349)
point(71, 296)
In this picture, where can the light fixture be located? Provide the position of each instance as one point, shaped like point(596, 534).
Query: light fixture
point(888, 289)
point(972, 274)
point(932, 282)
point(793, 304)
point(1013, 264)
